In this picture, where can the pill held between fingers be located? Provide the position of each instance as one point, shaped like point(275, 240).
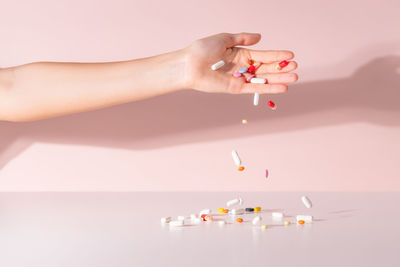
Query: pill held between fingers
point(250, 61)
point(306, 201)
point(243, 70)
point(218, 65)
point(237, 74)
point(272, 105)
point(256, 99)
point(236, 158)
point(258, 80)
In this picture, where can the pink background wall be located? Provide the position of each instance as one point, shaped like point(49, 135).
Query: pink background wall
point(337, 129)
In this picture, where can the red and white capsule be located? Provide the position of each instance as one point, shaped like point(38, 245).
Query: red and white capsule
point(272, 105)
point(282, 64)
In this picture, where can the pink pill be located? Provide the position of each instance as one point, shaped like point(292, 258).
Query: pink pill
point(237, 74)
point(266, 173)
point(249, 78)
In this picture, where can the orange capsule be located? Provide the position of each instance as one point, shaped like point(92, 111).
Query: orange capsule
point(226, 210)
point(301, 222)
point(241, 168)
point(239, 220)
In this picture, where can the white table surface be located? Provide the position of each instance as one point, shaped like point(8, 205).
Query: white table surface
point(123, 229)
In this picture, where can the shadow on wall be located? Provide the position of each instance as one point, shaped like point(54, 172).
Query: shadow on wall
point(371, 94)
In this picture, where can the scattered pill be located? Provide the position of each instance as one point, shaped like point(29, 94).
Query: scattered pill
point(251, 69)
point(196, 220)
point(166, 219)
point(221, 210)
point(244, 121)
point(258, 80)
point(250, 61)
point(236, 158)
point(221, 222)
point(305, 218)
point(248, 79)
point(233, 202)
point(226, 210)
point(218, 65)
point(256, 220)
point(193, 216)
point(300, 222)
point(272, 105)
point(264, 227)
point(257, 209)
point(306, 201)
point(237, 74)
point(256, 99)
point(282, 64)
point(286, 223)
point(208, 218)
point(277, 215)
point(266, 173)
point(239, 220)
point(241, 168)
point(181, 218)
point(243, 70)
point(237, 211)
point(249, 209)
point(176, 223)
point(203, 217)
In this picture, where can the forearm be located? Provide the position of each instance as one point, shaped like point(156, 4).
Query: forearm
point(41, 90)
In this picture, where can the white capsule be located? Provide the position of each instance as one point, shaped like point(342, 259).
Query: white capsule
point(221, 222)
point(256, 220)
point(218, 65)
point(205, 211)
point(258, 80)
point(277, 215)
point(306, 201)
point(237, 211)
point(256, 99)
point(181, 218)
point(236, 201)
point(305, 218)
point(236, 158)
point(166, 219)
point(193, 216)
point(176, 223)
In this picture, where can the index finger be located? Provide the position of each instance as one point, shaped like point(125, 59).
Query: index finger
point(267, 56)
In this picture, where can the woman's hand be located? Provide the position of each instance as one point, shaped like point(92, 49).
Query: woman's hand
point(205, 52)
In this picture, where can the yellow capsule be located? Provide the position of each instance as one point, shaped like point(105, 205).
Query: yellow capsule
point(264, 227)
point(244, 121)
point(257, 209)
point(286, 223)
point(221, 210)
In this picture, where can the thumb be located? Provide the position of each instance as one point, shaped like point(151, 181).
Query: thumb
point(243, 38)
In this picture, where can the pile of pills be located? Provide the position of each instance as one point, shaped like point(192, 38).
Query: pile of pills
point(233, 215)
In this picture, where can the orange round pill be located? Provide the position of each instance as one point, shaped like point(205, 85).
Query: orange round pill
point(239, 220)
point(241, 168)
point(301, 222)
point(226, 210)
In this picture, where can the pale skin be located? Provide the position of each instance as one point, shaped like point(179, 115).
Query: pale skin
point(48, 89)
